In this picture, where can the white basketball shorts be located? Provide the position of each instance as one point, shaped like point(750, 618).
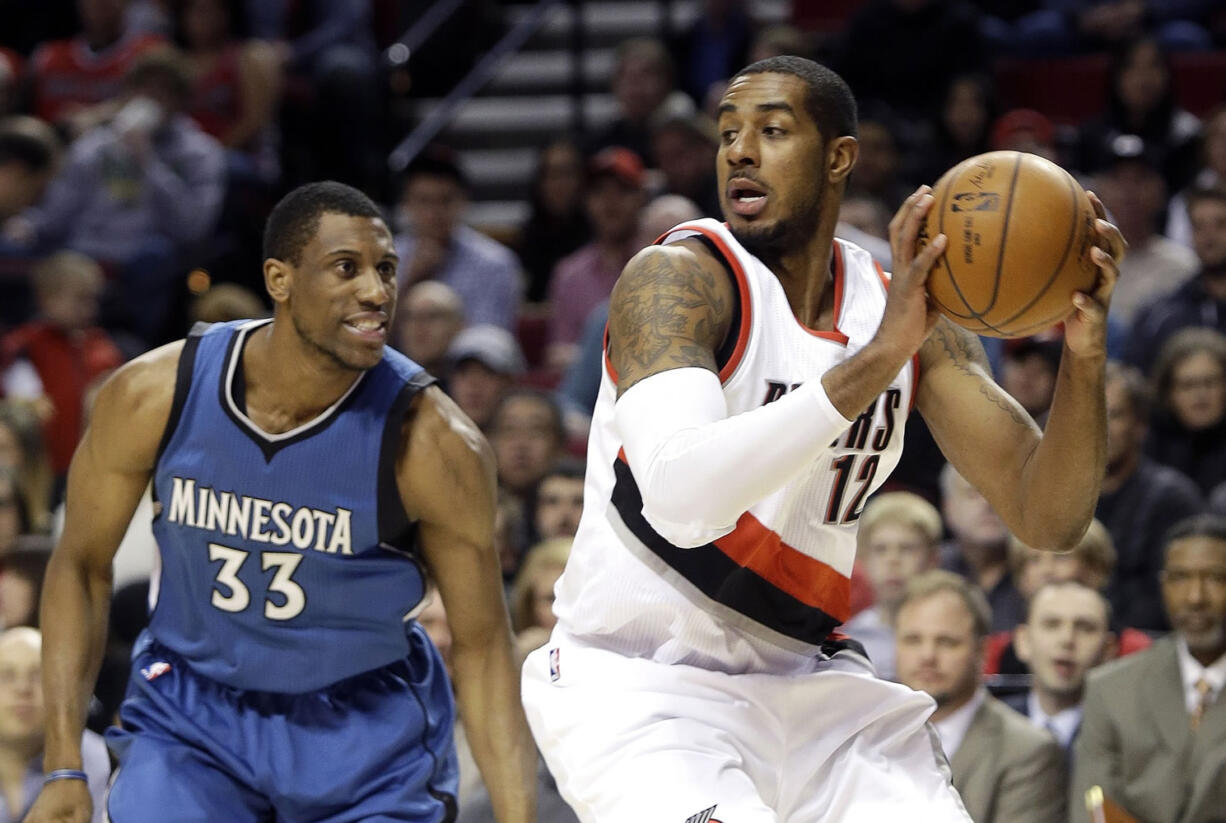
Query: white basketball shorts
point(630, 740)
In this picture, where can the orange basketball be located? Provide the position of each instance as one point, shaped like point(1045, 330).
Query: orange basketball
point(1020, 230)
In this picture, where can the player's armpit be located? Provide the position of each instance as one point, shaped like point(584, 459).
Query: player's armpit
point(982, 430)
point(670, 309)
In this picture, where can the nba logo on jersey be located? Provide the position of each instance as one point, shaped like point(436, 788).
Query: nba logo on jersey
point(155, 671)
point(703, 816)
point(555, 664)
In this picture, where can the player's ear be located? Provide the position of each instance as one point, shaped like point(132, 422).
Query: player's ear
point(278, 277)
point(841, 157)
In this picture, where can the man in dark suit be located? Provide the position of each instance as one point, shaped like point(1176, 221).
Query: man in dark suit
point(1065, 635)
point(1006, 770)
point(1154, 732)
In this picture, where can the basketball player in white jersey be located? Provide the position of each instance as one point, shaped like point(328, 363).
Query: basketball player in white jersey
point(758, 378)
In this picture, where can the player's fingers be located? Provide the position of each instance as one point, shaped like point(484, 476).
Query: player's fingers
point(903, 211)
point(1111, 239)
point(922, 265)
point(904, 241)
point(1100, 211)
point(1108, 273)
point(1090, 308)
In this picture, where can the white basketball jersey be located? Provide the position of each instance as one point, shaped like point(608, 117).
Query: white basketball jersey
point(765, 596)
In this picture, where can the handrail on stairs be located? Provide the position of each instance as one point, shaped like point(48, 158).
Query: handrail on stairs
point(398, 53)
point(477, 77)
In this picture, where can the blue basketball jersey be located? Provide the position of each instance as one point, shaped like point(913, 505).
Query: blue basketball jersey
point(287, 562)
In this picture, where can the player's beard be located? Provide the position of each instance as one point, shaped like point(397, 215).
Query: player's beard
point(331, 354)
point(787, 234)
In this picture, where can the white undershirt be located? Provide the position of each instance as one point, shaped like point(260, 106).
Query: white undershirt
point(952, 729)
point(1063, 724)
point(1192, 671)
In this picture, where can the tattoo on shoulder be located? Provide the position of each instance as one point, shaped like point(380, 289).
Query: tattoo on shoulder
point(964, 351)
point(669, 312)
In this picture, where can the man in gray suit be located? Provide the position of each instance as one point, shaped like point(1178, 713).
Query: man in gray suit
point(1154, 732)
point(1006, 770)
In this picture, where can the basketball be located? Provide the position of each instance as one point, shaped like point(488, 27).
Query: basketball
point(1020, 230)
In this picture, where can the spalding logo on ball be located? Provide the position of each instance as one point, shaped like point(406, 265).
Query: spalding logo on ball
point(1020, 230)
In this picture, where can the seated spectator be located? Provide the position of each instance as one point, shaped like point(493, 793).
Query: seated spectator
point(557, 224)
point(54, 358)
point(643, 82)
point(1090, 563)
point(962, 127)
point(439, 246)
point(614, 201)
point(1093, 25)
point(776, 41)
point(531, 599)
point(898, 538)
point(1155, 723)
point(712, 48)
point(224, 302)
point(1210, 174)
point(1133, 190)
point(558, 500)
point(428, 318)
point(685, 147)
point(1066, 634)
point(135, 193)
point(527, 436)
point(485, 362)
point(14, 520)
point(23, 451)
point(1028, 372)
point(864, 220)
point(978, 547)
point(1201, 301)
point(22, 730)
point(236, 83)
point(1006, 770)
point(1025, 130)
point(1140, 500)
point(68, 78)
point(21, 580)
point(29, 153)
point(1188, 428)
point(1141, 101)
point(879, 172)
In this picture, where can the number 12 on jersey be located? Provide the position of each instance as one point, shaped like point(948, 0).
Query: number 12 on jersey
point(844, 469)
point(239, 597)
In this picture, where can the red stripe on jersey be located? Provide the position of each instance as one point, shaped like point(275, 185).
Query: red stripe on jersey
point(608, 363)
point(759, 549)
point(742, 287)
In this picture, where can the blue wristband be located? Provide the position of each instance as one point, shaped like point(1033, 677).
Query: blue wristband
point(65, 774)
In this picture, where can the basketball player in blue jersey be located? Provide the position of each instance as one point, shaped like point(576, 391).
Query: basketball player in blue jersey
point(306, 478)
point(759, 375)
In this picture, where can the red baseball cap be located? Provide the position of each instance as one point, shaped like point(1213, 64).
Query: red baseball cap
point(618, 162)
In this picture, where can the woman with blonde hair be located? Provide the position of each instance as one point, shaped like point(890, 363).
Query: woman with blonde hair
point(531, 598)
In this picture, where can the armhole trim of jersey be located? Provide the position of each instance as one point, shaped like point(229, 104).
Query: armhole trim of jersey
point(395, 528)
point(183, 385)
point(742, 315)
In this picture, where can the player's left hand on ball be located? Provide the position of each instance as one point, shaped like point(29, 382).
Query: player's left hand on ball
point(1085, 331)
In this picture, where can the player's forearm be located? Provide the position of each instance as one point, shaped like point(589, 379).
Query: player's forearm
point(488, 696)
point(1065, 472)
point(76, 602)
point(856, 382)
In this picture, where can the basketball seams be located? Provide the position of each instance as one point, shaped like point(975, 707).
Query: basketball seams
point(1074, 223)
point(1004, 238)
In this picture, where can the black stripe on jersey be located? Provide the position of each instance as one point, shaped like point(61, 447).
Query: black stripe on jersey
point(720, 577)
point(183, 384)
point(394, 527)
point(724, 353)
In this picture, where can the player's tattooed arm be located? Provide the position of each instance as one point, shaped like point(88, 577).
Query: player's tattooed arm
point(670, 309)
point(959, 349)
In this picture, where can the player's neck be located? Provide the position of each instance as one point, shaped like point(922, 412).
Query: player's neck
point(288, 379)
point(807, 276)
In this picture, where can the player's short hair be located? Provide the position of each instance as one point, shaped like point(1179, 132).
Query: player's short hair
point(1136, 387)
point(1060, 584)
point(901, 509)
point(828, 98)
point(925, 585)
point(551, 553)
point(1210, 525)
point(1095, 550)
point(295, 219)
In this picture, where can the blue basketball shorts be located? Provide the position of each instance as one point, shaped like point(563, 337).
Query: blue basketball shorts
point(377, 747)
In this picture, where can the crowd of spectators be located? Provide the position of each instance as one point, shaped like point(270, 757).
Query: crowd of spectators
point(142, 143)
